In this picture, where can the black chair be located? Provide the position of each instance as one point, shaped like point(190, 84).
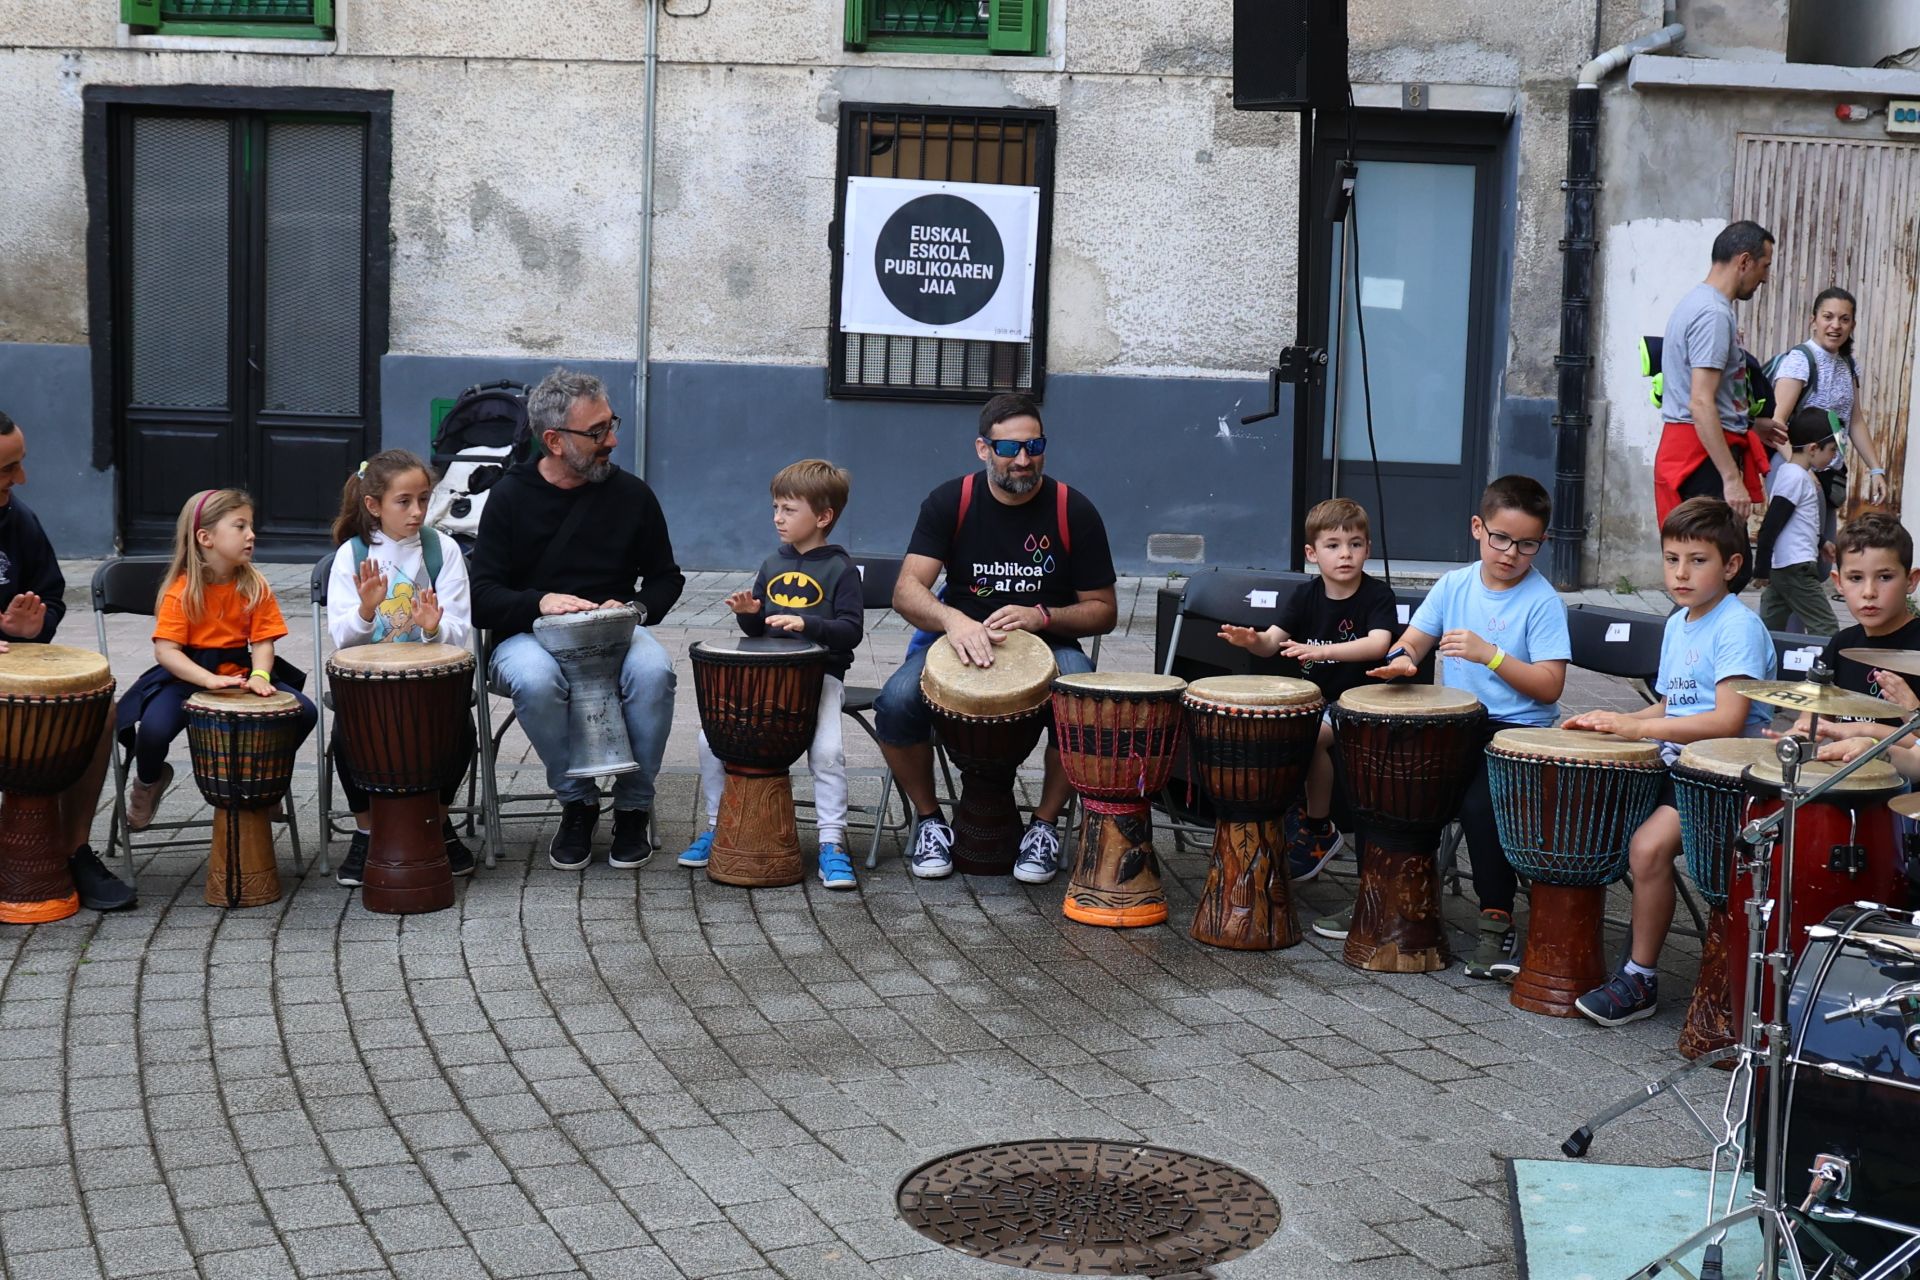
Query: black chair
point(877, 577)
point(131, 585)
point(1623, 643)
point(1795, 653)
point(330, 817)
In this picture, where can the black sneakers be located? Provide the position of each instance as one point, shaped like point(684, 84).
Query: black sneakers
point(572, 847)
point(353, 867)
point(632, 845)
point(99, 889)
point(459, 857)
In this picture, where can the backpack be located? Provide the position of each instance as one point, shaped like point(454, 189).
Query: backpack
point(1759, 376)
point(484, 433)
point(1813, 370)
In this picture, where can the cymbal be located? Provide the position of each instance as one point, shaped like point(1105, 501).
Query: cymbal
point(1907, 806)
point(1904, 661)
point(1817, 699)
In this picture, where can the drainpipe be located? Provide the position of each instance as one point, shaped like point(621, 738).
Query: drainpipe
point(643, 336)
point(1579, 248)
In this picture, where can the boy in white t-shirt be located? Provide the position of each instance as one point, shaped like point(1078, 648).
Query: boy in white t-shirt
point(1787, 561)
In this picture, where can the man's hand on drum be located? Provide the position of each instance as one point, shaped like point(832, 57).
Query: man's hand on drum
point(1263, 644)
point(372, 586)
point(427, 611)
point(974, 641)
point(1016, 617)
point(787, 622)
point(24, 617)
point(1467, 646)
point(555, 602)
point(744, 601)
point(1622, 726)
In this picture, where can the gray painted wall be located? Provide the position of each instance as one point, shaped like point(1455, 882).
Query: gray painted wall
point(46, 388)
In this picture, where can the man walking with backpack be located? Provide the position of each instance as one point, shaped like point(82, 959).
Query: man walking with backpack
point(1021, 552)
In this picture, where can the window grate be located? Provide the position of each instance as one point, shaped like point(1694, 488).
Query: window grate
point(300, 11)
point(1002, 147)
point(955, 19)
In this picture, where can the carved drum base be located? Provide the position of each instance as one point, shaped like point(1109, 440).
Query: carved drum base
point(755, 843)
point(407, 869)
point(1565, 956)
point(241, 868)
point(1116, 875)
point(1247, 903)
point(1396, 914)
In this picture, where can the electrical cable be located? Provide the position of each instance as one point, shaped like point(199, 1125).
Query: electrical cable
point(1360, 323)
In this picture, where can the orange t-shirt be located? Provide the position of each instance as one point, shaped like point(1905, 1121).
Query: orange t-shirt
point(225, 622)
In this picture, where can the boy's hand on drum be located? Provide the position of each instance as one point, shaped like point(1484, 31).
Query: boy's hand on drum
point(1895, 689)
point(974, 642)
point(372, 587)
point(744, 601)
point(556, 602)
point(1467, 646)
point(1845, 749)
point(1401, 668)
point(1613, 722)
point(24, 617)
point(427, 611)
point(786, 622)
point(1016, 617)
point(1256, 642)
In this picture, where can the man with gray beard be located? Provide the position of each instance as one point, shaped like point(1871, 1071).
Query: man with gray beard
point(567, 532)
point(1021, 552)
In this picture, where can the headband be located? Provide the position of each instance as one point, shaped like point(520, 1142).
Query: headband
point(202, 506)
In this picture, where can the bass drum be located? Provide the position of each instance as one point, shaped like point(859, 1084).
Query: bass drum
point(1853, 1083)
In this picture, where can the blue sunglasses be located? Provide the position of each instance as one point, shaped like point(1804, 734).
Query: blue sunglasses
point(1011, 448)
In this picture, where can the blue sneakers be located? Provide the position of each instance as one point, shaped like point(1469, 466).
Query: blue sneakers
point(836, 872)
point(700, 852)
point(1626, 997)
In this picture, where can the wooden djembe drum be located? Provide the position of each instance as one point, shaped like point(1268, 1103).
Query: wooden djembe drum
point(1118, 732)
point(1403, 755)
point(759, 699)
point(54, 702)
point(1567, 804)
point(402, 712)
point(244, 750)
point(1710, 794)
point(1251, 739)
point(989, 719)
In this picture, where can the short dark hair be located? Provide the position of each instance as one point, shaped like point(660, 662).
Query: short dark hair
point(1744, 236)
point(1708, 520)
point(1874, 529)
point(6, 424)
point(1810, 426)
point(1008, 404)
point(1516, 493)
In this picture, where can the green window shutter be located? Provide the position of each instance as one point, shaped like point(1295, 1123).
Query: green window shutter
point(1013, 26)
point(858, 14)
point(323, 13)
point(140, 13)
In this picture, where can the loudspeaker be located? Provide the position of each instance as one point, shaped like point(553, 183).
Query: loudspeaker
point(1289, 55)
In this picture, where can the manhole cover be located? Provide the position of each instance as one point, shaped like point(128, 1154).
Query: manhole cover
point(1089, 1208)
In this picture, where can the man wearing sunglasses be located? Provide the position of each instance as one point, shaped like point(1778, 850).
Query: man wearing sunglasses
point(566, 532)
point(1020, 552)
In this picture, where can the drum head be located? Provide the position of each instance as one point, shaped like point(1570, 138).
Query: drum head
point(1120, 684)
point(1019, 681)
point(1875, 777)
point(398, 658)
point(1727, 757)
point(52, 670)
point(563, 622)
point(1398, 698)
point(764, 647)
point(1253, 691)
point(1575, 747)
point(239, 702)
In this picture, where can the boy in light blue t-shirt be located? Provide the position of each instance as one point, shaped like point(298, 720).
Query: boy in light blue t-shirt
point(1711, 640)
point(1501, 633)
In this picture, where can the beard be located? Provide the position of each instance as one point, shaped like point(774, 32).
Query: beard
point(588, 464)
point(1017, 485)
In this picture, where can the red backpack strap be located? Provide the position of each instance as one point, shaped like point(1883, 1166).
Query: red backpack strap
point(966, 500)
point(1060, 517)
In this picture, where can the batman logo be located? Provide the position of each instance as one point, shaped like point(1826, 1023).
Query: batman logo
point(794, 590)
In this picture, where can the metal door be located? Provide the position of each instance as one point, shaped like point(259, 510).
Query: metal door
point(243, 352)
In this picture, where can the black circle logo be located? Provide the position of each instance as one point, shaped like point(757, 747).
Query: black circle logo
point(939, 259)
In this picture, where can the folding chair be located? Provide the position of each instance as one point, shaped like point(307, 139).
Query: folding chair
point(1795, 654)
point(131, 585)
point(330, 817)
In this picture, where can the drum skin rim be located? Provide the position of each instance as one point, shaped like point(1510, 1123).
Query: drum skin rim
point(1699, 758)
point(802, 651)
point(52, 670)
point(1876, 782)
point(1000, 704)
point(1422, 701)
point(1101, 685)
point(1250, 693)
point(372, 660)
point(584, 617)
point(1602, 748)
point(242, 702)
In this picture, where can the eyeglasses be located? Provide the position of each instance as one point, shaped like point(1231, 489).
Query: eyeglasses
point(1507, 542)
point(1011, 448)
point(598, 435)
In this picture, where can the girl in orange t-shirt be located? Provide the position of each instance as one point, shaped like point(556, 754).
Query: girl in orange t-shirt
point(214, 628)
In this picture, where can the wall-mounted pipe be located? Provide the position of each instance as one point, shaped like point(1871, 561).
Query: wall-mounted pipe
point(643, 320)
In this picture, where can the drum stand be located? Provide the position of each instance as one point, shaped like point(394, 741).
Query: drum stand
point(1763, 1041)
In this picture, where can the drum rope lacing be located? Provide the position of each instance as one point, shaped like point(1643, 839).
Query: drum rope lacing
point(1583, 846)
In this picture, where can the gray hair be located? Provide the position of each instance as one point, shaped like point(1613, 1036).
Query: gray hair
point(549, 403)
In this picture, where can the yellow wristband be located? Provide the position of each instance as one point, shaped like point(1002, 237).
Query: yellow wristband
point(264, 675)
point(1499, 656)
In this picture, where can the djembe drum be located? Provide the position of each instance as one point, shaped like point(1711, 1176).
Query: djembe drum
point(402, 713)
point(244, 749)
point(1251, 739)
point(1567, 804)
point(590, 648)
point(759, 699)
point(54, 702)
point(1118, 732)
point(989, 719)
point(1404, 756)
point(1710, 793)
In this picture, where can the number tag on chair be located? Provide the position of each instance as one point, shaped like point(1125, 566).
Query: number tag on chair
point(1619, 632)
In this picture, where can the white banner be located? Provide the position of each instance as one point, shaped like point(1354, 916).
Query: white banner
point(939, 259)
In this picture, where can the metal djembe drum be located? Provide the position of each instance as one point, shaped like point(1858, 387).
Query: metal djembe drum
point(590, 648)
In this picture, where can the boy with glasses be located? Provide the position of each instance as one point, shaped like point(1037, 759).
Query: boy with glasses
point(1501, 633)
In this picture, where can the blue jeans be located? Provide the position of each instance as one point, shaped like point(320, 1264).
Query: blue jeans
point(527, 673)
point(900, 715)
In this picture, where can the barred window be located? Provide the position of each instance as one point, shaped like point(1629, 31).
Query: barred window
point(270, 19)
point(993, 146)
point(948, 26)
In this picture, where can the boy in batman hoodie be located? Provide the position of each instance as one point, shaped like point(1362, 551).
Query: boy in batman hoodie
point(810, 590)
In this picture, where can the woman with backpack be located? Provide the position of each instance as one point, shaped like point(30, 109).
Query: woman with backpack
point(1820, 374)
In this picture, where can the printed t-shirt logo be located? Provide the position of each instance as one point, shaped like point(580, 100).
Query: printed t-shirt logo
point(6, 570)
point(794, 590)
point(1019, 576)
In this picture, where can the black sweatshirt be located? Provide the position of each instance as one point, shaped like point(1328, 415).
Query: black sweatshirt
point(27, 563)
point(822, 588)
point(621, 537)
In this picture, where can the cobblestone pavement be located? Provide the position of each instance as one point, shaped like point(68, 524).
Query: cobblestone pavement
point(638, 1075)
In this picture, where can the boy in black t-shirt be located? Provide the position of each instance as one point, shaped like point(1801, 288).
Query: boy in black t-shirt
point(1335, 627)
point(1873, 567)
